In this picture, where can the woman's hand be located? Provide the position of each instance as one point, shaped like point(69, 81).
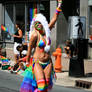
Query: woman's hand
point(13, 35)
point(59, 3)
point(20, 60)
point(54, 19)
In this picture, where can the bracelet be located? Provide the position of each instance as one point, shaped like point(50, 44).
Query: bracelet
point(58, 10)
point(59, 1)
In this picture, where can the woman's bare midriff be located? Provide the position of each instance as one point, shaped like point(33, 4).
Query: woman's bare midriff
point(41, 55)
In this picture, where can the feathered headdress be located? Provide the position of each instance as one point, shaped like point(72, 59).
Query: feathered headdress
point(41, 18)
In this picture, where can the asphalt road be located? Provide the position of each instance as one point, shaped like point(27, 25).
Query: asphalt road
point(11, 83)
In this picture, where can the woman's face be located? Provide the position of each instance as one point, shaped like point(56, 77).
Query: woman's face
point(17, 27)
point(39, 27)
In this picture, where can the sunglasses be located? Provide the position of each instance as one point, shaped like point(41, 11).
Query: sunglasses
point(37, 23)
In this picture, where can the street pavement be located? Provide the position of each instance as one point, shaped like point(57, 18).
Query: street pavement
point(11, 83)
point(63, 78)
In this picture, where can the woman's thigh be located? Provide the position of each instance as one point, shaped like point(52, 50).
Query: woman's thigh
point(38, 71)
point(48, 70)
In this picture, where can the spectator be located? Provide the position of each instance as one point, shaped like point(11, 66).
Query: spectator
point(22, 49)
point(69, 48)
point(17, 41)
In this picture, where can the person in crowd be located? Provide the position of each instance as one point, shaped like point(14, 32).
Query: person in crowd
point(17, 41)
point(69, 49)
point(38, 76)
point(22, 50)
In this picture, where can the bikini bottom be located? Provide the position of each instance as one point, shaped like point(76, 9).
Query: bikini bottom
point(29, 83)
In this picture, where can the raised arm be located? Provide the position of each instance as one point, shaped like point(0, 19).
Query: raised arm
point(55, 16)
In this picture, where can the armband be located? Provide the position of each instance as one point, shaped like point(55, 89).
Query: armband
point(58, 10)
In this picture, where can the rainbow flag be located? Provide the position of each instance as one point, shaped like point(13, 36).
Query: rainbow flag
point(33, 11)
point(3, 28)
point(4, 59)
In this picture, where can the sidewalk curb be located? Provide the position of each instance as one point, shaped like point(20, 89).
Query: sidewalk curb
point(63, 79)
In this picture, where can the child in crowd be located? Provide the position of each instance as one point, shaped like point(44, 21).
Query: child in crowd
point(5, 62)
point(22, 53)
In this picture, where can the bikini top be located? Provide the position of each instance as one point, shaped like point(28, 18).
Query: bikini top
point(43, 43)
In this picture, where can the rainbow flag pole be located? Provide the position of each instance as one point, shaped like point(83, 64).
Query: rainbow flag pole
point(3, 28)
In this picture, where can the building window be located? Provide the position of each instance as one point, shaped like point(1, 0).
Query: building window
point(14, 14)
point(8, 15)
point(20, 13)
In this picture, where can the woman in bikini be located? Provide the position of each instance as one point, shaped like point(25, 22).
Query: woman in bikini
point(38, 76)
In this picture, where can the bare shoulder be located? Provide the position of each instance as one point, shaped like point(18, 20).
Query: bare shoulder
point(34, 34)
point(20, 30)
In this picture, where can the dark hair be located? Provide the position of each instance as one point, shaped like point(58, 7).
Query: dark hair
point(79, 19)
point(18, 47)
point(19, 25)
point(68, 41)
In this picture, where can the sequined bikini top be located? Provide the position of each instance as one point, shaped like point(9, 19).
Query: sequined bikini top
point(43, 44)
